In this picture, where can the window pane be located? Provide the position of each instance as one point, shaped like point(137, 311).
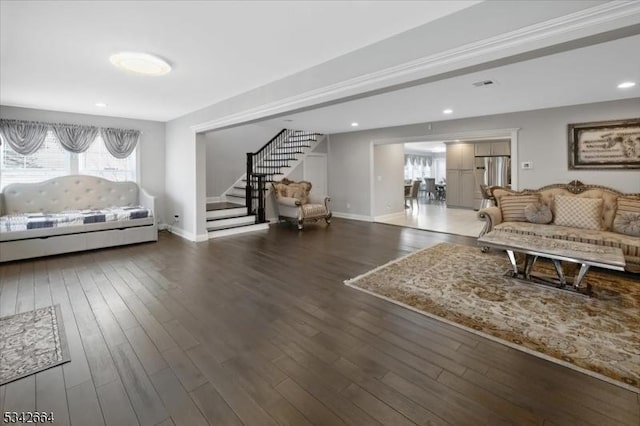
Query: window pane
point(48, 162)
point(97, 161)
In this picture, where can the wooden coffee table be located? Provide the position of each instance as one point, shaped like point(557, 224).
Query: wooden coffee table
point(532, 247)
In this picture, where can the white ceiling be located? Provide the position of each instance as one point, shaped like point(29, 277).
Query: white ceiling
point(579, 76)
point(54, 55)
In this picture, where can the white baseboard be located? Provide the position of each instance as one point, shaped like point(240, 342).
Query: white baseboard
point(187, 235)
point(352, 216)
point(388, 216)
point(181, 233)
point(163, 226)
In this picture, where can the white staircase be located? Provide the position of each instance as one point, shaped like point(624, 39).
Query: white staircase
point(276, 160)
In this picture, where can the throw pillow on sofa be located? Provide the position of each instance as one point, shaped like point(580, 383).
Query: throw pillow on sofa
point(512, 206)
point(627, 219)
point(578, 212)
point(628, 205)
point(627, 223)
point(538, 213)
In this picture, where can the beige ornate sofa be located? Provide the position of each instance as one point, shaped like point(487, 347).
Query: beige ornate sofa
point(609, 212)
point(73, 213)
point(294, 201)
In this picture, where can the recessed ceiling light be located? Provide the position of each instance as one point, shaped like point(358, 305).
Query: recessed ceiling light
point(447, 111)
point(140, 63)
point(626, 85)
point(354, 124)
point(101, 104)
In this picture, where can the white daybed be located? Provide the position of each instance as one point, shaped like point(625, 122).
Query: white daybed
point(73, 213)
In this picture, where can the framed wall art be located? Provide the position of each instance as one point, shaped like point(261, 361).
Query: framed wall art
point(605, 145)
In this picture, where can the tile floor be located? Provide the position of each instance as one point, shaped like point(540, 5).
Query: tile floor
point(432, 215)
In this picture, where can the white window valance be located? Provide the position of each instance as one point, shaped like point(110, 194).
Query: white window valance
point(26, 137)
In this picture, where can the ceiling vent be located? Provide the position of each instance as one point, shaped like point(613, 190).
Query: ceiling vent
point(484, 83)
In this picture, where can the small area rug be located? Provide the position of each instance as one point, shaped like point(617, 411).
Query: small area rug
point(598, 335)
point(31, 342)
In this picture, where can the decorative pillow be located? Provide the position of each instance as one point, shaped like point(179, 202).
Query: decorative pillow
point(627, 223)
point(628, 205)
point(578, 212)
point(538, 213)
point(512, 206)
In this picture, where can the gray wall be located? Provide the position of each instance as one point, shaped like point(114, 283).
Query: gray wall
point(542, 139)
point(151, 151)
point(227, 152)
point(388, 183)
point(186, 153)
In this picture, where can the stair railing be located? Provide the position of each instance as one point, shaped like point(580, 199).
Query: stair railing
point(261, 165)
point(257, 172)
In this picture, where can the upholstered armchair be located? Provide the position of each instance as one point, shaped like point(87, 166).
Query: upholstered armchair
point(294, 201)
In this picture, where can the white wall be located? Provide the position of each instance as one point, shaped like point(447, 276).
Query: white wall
point(388, 184)
point(227, 153)
point(542, 138)
point(151, 150)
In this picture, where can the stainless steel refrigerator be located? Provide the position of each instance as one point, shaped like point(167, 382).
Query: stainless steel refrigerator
point(491, 171)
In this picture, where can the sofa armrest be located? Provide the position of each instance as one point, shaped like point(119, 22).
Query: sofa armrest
point(147, 201)
point(288, 201)
point(492, 217)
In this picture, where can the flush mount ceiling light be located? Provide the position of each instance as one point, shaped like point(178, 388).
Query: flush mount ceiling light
point(626, 85)
point(140, 63)
point(354, 124)
point(101, 104)
point(447, 111)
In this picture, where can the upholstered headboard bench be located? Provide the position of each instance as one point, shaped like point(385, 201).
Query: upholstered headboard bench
point(73, 213)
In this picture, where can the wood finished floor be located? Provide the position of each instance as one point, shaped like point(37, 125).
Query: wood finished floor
point(258, 329)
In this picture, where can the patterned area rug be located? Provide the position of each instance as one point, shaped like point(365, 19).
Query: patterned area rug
point(598, 335)
point(31, 342)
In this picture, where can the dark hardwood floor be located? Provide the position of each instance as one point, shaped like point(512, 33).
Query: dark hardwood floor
point(259, 329)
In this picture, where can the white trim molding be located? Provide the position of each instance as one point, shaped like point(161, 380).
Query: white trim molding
point(388, 216)
point(187, 235)
point(352, 216)
point(590, 21)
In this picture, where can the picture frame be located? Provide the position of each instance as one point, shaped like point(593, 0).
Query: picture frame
point(604, 145)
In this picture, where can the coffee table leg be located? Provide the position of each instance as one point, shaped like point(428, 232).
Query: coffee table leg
point(512, 259)
point(529, 261)
point(558, 265)
point(583, 270)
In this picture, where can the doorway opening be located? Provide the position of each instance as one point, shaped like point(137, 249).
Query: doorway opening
point(448, 174)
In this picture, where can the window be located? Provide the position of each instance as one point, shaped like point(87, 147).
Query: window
point(48, 162)
point(417, 167)
point(97, 161)
point(51, 160)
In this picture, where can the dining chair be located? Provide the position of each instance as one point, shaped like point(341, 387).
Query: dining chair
point(413, 193)
point(430, 187)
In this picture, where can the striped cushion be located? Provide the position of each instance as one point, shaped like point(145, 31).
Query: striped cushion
point(627, 220)
point(578, 212)
point(628, 205)
point(512, 206)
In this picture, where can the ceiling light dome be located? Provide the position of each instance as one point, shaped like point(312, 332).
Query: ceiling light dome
point(140, 63)
point(626, 85)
